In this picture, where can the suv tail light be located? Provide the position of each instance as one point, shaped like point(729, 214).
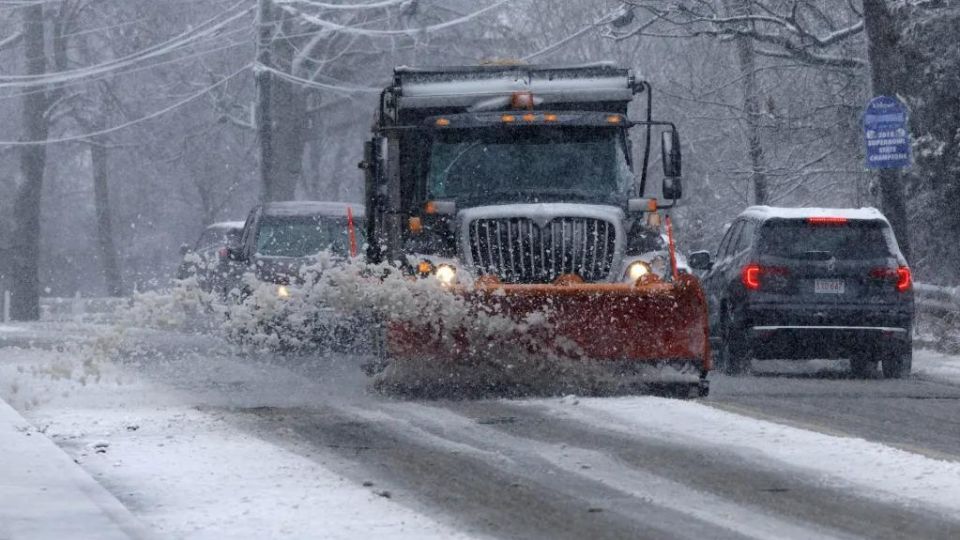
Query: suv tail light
point(752, 274)
point(826, 220)
point(902, 276)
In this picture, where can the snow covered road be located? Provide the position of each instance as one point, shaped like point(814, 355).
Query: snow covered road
point(200, 442)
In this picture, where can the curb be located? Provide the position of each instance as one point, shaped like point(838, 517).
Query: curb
point(45, 495)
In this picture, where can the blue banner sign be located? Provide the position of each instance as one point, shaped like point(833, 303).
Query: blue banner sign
point(886, 133)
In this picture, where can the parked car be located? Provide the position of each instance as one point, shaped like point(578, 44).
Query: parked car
point(206, 257)
point(280, 238)
point(803, 283)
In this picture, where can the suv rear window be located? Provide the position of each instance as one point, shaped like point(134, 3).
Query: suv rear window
point(798, 239)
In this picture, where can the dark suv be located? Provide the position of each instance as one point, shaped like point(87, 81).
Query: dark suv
point(804, 283)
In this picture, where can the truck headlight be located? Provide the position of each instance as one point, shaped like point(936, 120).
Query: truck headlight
point(446, 274)
point(283, 291)
point(637, 270)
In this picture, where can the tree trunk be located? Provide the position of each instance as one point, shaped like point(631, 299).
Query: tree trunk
point(101, 194)
point(289, 130)
point(747, 58)
point(25, 302)
point(887, 76)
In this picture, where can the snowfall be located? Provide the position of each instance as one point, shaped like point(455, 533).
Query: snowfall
point(105, 435)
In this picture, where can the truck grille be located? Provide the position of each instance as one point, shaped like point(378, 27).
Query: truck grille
point(517, 250)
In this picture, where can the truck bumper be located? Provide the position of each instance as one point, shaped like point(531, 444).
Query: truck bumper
point(654, 323)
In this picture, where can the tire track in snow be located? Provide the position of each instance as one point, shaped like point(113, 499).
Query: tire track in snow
point(600, 467)
point(871, 469)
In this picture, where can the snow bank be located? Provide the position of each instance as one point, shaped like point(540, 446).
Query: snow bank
point(936, 365)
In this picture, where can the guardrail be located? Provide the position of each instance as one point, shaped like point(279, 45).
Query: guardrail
point(938, 317)
point(80, 309)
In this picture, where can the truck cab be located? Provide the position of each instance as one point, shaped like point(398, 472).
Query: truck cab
point(519, 173)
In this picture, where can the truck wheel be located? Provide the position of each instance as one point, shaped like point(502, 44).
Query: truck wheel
point(863, 367)
point(897, 364)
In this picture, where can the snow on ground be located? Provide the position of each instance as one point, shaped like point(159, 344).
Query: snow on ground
point(936, 365)
point(871, 468)
point(185, 471)
point(44, 495)
point(189, 474)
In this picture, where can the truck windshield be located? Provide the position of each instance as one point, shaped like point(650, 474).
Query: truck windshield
point(529, 163)
point(303, 236)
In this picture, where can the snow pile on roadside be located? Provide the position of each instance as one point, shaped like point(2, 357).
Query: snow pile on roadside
point(53, 374)
point(936, 365)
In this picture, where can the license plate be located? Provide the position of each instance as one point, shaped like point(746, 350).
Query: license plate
point(828, 286)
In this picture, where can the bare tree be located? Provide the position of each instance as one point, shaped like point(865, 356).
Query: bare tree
point(25, 250)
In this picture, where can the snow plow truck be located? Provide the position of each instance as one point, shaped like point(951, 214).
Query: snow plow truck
point(523, 189)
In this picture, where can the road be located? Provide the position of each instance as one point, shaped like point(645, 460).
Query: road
point(788, 452)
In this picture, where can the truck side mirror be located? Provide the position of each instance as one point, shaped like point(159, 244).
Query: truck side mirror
point(235, 253)
point(670, 150)
point(700, 260)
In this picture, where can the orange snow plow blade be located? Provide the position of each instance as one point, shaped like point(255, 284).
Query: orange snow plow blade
point(651, 323)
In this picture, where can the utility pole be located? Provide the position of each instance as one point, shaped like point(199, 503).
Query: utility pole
point(888, 79)
point(264, 80)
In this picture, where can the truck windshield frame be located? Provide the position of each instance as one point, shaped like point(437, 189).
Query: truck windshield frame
point(539, 163)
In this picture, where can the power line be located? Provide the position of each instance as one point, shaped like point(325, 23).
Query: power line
point(343, 88)
point(138, 69)
point(352, 7)
point(335, 27)
point(162, 49)
point(140, 120)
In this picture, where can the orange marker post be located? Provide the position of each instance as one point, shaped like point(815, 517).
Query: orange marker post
point(673, 250)
point(351, 233)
